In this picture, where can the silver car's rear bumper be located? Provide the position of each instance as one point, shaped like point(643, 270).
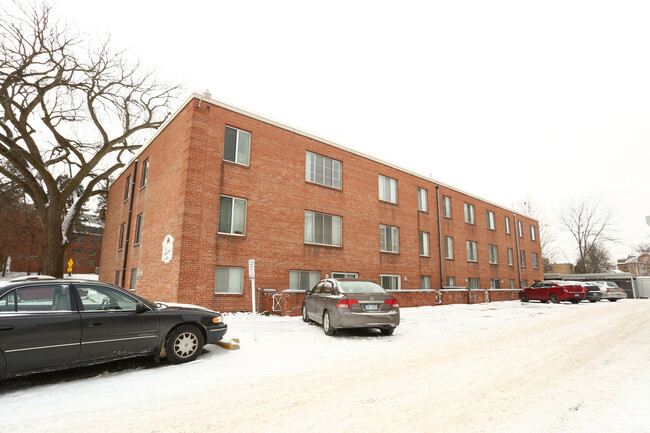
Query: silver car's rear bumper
point(349, 319)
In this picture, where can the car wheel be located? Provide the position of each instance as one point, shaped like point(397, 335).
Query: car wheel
point(574, 301)
point(184, 344)
point(592, 300)
point(327, 324)
point(613, 300)
point(524, 297)
point(387, 331)
point(553, 298)
point(305, 316)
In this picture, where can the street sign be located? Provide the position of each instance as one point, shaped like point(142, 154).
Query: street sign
point(251, 269)
point(70, 263)
point(69, 269)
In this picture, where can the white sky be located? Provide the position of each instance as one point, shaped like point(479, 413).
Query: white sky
point(509, 100)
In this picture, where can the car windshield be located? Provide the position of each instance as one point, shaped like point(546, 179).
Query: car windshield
point(360, 287)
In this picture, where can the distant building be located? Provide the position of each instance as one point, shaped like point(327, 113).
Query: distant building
point(217, 186)
point(639, 266)
point(560, 268)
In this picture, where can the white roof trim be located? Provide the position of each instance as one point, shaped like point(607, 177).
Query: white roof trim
point(252, 115)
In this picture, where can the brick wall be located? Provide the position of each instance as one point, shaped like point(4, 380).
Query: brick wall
point(188, 176)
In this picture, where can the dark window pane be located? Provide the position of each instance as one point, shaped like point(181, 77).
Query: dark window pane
point(230, 144)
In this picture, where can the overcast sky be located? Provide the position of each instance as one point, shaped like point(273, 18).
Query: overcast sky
point(545, 101)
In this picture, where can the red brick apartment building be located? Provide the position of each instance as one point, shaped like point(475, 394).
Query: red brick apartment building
point(229, 185)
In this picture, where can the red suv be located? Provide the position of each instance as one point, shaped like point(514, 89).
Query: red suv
point(554, 291)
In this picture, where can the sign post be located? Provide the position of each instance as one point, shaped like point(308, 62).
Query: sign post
point(251, 276)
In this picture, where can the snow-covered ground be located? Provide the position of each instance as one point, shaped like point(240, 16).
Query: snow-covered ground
point(498, 367)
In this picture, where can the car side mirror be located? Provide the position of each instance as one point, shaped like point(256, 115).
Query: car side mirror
point(307, 292)
point(140, 308)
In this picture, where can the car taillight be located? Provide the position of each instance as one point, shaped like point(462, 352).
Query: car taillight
point(346, 303)
point(392, 302)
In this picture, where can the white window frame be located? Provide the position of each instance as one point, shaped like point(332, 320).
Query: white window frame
point(423, 205)
point(520, 229)
point(138, 229)
point(507, 219)
point(295, 279)
point(392, 278)
point(532, 233)
point(449, 247)
point(513, 284)
point(145, 173)
point(470, 213)
point(495, 283)
point(446, 206)
point(424, 244)
point(511, 261)
point(450, 281)
point(323, 170)
point(535, 260)
point(490, 220)
point(383, 239)
point(522, 259)
point(240, 132)
point(493, 254)
point(232, 215)
point(472, 251)
point(425, 282)
point(345, 275)
point(230, 290)
point(335, 229)
point(390, 195)
point(474, 283)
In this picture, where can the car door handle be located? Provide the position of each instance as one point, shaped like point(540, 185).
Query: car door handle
point(96, 324)
point(6, 327)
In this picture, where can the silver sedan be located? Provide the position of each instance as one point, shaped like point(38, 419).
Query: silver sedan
point(351, 303)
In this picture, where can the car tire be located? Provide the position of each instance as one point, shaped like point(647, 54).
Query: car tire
point(554, 299)
point(305, 316)
point(327, 324)
point(574, 301)
point(612, 300)
point(593, 300)
point(184, 344)
point(524, 297)
point(387, 331)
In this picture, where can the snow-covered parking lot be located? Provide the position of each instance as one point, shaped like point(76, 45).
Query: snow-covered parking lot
point(499, 367)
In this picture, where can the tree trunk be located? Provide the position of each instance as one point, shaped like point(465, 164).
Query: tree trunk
point(53, 246)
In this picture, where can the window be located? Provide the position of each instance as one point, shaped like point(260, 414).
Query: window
point(507, 225)
point(422, 200)
point(446, 206)
point(469, 214)
point(388, 239)
point(323, 170)
point(229, 280)
point(390, 282)
point(535, 261)
point(522, 258)
point(93, 241)
point(524, 283)
point(450, 281)
point(237, 144)
point(145, 172)
point(37, 298)
point(127, 188)
point(472, 251)
point(78, 250)
point(449, 247)
point(118, 280)
point(387, 189)
point(473, 283)
point(80, 239)
point(322, 229)
point(303, 280)
point(91, 262)
point(425, 282)
point(99, 298)
point(138, 229)
point(532, 233)
point(345, 275)
point(512, 284)
point(490, 220)
point(232, 216)
point(495, 283)
point(492, 252)
point(424, 244)
point(78, 262)
point(92, 252)
point(510, 257)
point(135, 272)
point(520, 229)
point(122, 230)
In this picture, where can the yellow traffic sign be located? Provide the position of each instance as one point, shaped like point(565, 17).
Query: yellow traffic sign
point(69, 269)
point(70, 263)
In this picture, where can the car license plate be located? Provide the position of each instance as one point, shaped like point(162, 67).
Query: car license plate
point(371, 307)
point(576, 295)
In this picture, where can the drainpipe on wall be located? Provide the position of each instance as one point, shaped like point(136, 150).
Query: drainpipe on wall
point(440, 237)
point(514, 217)
point(128, 222)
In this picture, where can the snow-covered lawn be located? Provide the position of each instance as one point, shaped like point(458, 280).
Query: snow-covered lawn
point(498, 367)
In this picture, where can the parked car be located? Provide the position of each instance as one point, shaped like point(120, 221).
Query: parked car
point(553, 291)
point(351, 303)
point(610, 290)
point(51, 324)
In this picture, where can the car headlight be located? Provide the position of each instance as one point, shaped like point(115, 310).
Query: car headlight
point(217, 319)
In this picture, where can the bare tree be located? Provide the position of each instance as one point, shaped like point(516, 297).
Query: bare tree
point(591, 227)
point(70, 110)
point(546, 235)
